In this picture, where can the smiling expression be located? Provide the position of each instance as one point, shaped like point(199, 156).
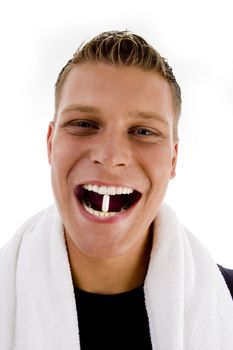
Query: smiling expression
point(113, 131)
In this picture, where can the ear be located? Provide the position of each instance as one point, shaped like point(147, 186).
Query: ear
point(49, 140)
point(174, 160)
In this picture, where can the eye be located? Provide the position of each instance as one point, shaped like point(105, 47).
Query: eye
point(143, 132)
point(85, 124)
point(81, 127)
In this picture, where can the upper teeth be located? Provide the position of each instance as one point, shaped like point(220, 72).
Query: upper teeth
point(110, 190)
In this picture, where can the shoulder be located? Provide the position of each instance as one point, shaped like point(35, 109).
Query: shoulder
point(228, 276)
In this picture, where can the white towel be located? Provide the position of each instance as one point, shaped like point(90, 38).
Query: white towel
point(188, 303)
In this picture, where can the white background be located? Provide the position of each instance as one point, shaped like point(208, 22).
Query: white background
point(37, 39)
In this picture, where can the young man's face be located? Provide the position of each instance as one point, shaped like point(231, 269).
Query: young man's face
point(114, 128)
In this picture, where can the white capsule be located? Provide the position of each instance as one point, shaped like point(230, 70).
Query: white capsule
point(105, 203)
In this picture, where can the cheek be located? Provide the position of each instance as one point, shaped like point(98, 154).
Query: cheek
point(64, 155)
point(61, 163)
point(157, 163)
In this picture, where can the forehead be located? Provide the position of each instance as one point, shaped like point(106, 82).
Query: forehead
point(120, 87)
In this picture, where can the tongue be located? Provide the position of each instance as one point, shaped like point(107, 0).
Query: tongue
point(116, 202)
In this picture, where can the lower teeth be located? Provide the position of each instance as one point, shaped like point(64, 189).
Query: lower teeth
point(98, 213)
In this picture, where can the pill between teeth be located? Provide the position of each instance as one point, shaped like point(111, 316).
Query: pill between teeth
point(105, 203)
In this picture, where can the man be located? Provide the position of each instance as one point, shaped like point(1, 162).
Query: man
point(111, 267)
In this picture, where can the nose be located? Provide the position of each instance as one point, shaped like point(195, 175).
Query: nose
point(111, 151)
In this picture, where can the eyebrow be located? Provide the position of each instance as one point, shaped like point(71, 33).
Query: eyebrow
point(81, 108)
point(150, 116)
point(97, 111)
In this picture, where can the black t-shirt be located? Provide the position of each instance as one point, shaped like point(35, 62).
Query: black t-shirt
point(119, 321)
point(228, 276)
point(113, 322)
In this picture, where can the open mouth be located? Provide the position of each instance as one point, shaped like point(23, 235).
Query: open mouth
point(106, 201)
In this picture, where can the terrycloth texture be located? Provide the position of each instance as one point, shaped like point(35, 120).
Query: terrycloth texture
point(188, 303)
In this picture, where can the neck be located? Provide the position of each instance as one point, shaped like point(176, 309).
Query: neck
point(109, 275)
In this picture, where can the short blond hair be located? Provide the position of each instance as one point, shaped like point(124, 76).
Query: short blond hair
point(122, 48)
